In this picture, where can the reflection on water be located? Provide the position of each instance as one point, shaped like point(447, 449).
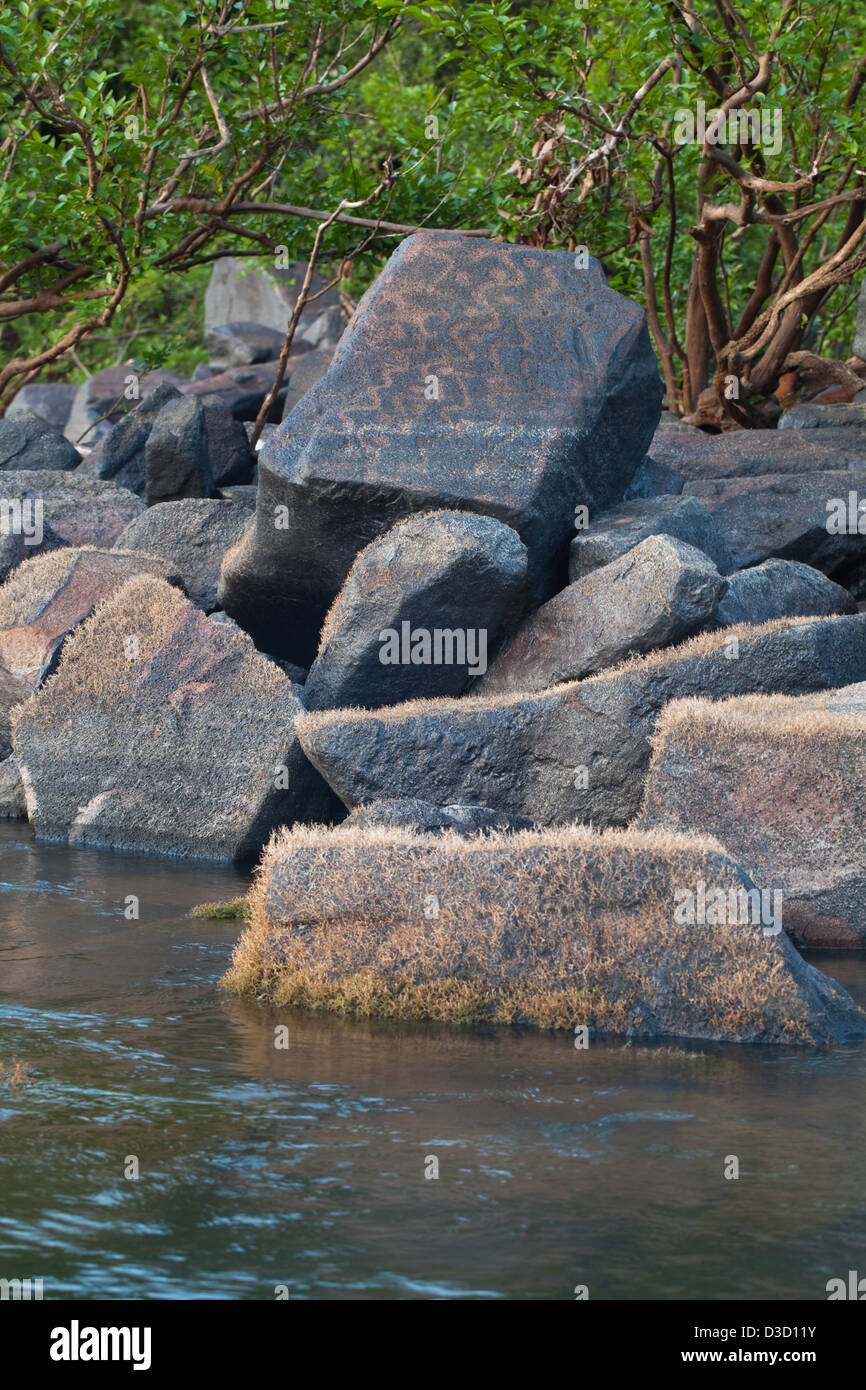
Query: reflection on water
point(305, 1166)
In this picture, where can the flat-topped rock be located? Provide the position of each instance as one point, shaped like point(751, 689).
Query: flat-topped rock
point(165, 733)
point(473, 376)
point(566, 929)
point(782, 784)
point(811, 416)
point(576, 752)
point(748, 453)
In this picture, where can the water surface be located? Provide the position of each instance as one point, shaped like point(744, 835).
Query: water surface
point(305, 1167)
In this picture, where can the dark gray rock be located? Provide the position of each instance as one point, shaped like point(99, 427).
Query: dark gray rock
point(420, 611)
point(612, 533)
point(782, 589)
point(786, 516)
point(474, 376)
point(748, 453)
point(239, 344)
point(242, 390)
point(228, 447)
point(194, 534)
point(654, 479)
point(656, 594)
point(120, 455)
point(417, 815)
point(809, 416)
point(43, 510)
point(27, 442)
point(578, 752)
point(50, 400)
point(176, 454)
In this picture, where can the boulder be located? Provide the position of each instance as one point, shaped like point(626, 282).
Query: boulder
point(176, 462)
point(47, 597)
point(567, 929)
point(579, 751)
point(27, 442)
point(240, 343)
point(654, 480)
point(613, 532)
point(120, 455)
point(42, 511)
point(811, 416)
point(781, 589)
point(108, 393)
point(263, 295)
point(50, 400)
point(164, 733)
point(242, 390)
point(309, 369)
point(228, 447)
point(13, 689)
point(658, 593)
point(749, 453)
point(789, 517)
point(781, 783)
point(412, 814)
point(420, 611)
point(474, 376)
point(13, 805)
point(193, 535)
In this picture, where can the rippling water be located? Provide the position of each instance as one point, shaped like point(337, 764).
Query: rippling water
point(305, 1167)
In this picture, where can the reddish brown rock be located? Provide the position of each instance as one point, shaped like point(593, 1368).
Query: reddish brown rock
point(781, 783)
point(48, 596)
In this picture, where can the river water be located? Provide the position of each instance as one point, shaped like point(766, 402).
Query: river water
point(301, 1170)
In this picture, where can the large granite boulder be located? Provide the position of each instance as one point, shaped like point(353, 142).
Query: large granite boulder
point(193, 535)
point(50, 400)
point(165, 733)
point(565, 929)
point(27, 442)
point(41, 510)
point(420, 612)
point(658, 593)
point(788, 516)
point(612, 533)
point(577, 752)
point(473, 376)
point(781, 589)
point(108, 393)
point(263, 294)
point(782, 784)
point(46, 598)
